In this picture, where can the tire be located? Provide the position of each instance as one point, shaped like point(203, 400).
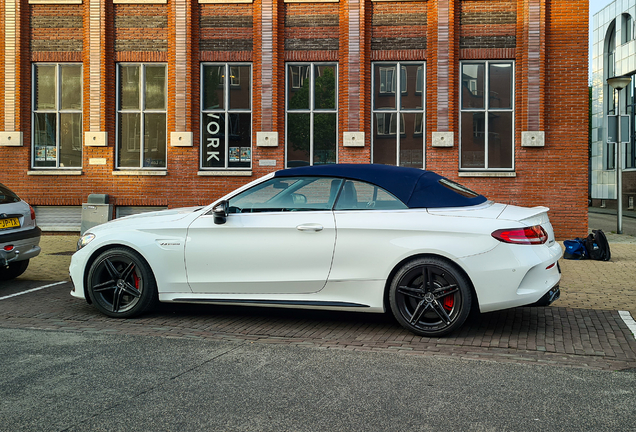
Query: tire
point(430, 297)
point(121, 284)
point(13, 270)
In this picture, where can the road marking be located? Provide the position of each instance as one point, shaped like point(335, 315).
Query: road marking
point(627, 317)
point(32, 290)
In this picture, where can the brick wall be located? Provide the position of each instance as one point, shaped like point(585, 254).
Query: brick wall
point(441, 32)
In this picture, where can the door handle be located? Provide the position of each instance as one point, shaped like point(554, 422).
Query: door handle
point(310, 227)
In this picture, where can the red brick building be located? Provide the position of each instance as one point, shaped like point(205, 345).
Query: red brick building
point(168, 103)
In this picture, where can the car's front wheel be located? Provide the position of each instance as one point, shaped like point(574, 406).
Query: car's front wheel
point(121, 284)
point(430, 297)
point(13, 270)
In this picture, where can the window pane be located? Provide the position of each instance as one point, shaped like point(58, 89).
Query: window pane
point(473, 140)
point(325, 88)
point(240, 80)
point(473, 86)
point(298, 139)
point(500, 140)
point(71, 88)
point(240, 137)
point(155, 140)
point(412, 141)
point(412, 87)
point(155, 87)
point(45, 151)
point(357, 195)
point(500, 85)
point(214, 140)
point(324, 138)
point(129, 87)
point(298, 83)
point(70, 140)
point(262, 197)
point(129, 140)
point(315, 194)
point(213, 79)
point(384, 86)
point(45, 87)
point(384, 143)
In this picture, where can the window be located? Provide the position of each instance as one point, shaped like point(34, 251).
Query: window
point(626, 28)
point(402, 112)
point(57, 115)
point(610, 96)
point(311, 120)
point(288, 194)
point(630, 102)
point(226, 115)
point(357, 195)
point(487, 115)
point(141, 115)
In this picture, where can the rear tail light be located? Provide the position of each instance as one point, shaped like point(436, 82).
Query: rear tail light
point(528, 235)
point(32, 213)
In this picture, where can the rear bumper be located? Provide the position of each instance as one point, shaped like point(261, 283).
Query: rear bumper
point(550, 297)
point(24, 246)
point(514, 275)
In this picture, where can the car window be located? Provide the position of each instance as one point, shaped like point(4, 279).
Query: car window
point(357, 195)
point(287, 194)
point(6, 196)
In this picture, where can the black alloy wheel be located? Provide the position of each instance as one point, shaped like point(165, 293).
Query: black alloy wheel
point(121, 284)
point(430, 297)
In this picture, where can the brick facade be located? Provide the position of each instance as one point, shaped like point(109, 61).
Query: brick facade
point(546, 39)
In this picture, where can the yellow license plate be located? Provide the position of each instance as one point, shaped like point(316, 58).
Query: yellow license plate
point(9, 223)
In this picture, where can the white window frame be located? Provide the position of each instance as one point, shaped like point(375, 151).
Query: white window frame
point(229, 81)
point(486, 109)
point(311, 110)
point(140, 145)
point(399, 65)
point(58, 110)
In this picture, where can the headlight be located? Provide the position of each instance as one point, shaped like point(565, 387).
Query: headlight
point(84, 240)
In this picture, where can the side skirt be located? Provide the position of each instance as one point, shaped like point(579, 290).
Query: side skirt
point(297, 303)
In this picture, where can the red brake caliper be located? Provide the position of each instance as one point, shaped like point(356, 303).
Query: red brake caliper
point(448, 302)
point(136, 280)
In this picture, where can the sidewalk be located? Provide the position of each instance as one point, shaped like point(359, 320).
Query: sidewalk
point(584, 285)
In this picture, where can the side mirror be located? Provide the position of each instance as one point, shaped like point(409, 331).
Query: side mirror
point(220, 212)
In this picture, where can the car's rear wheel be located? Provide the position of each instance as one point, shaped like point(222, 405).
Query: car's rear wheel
point(13, 270)
point(430, 297)
point(121, 284)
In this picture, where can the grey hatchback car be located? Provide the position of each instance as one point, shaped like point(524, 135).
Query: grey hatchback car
point(19, 234)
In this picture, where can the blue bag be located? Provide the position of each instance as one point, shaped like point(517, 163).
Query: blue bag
point(575, 249)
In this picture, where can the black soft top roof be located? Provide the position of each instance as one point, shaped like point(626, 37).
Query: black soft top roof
point(414, 187)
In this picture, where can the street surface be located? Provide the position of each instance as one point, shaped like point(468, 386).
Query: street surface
point(67, 381)
point(608, 222)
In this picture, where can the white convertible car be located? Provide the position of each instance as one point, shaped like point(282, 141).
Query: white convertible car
point(341, 237)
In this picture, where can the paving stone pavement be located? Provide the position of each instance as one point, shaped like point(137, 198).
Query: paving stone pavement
point(582, 329)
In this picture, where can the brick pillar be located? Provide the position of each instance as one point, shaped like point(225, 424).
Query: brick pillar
point(268, 85)
point(444, 29)
point(180, 73)
point(533, 59)
point(12, 23)
point(352, 75)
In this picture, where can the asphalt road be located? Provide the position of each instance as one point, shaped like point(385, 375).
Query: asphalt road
point(59, 381)
point(608, 222)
